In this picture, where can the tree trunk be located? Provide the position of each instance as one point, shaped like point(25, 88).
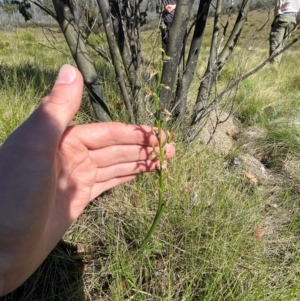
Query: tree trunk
point(118, 25)
point(105, 13)
point(194, 53)
point(217, 62)
point(66, 20)
point(174, 50)
point(211, 69)
point(235, 33)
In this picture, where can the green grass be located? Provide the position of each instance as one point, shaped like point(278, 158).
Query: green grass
point(205, 247)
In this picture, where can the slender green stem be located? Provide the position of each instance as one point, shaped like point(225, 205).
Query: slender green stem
point(161, 157)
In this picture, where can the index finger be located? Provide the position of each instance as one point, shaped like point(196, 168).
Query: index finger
point(98, 135)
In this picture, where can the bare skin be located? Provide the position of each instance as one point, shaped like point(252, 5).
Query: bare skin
point(50, 171)
point(170, 7)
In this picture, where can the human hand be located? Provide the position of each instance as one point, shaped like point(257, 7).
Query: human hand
point(170, 7)
point(50, 171)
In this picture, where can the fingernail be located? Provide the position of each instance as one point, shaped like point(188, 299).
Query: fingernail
point(167, 148)
point(66, 75)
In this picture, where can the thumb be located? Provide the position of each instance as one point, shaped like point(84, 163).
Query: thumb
point(63, 102)
point(42, 131)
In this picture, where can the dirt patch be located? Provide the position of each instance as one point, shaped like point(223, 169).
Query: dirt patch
point(220, 132)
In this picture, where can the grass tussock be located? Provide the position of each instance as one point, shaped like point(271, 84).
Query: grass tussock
point(221, 237)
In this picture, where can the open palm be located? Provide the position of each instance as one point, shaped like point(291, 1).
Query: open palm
point(50, 171)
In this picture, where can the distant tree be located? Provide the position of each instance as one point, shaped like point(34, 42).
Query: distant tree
point(8, 6)
point(24, 8)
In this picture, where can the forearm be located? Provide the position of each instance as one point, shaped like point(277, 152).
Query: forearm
point(24, 186)
point(16, 267)
point(23, 216)
point(20, 257)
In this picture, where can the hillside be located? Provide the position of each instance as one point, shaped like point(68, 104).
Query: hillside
point(230, 229)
